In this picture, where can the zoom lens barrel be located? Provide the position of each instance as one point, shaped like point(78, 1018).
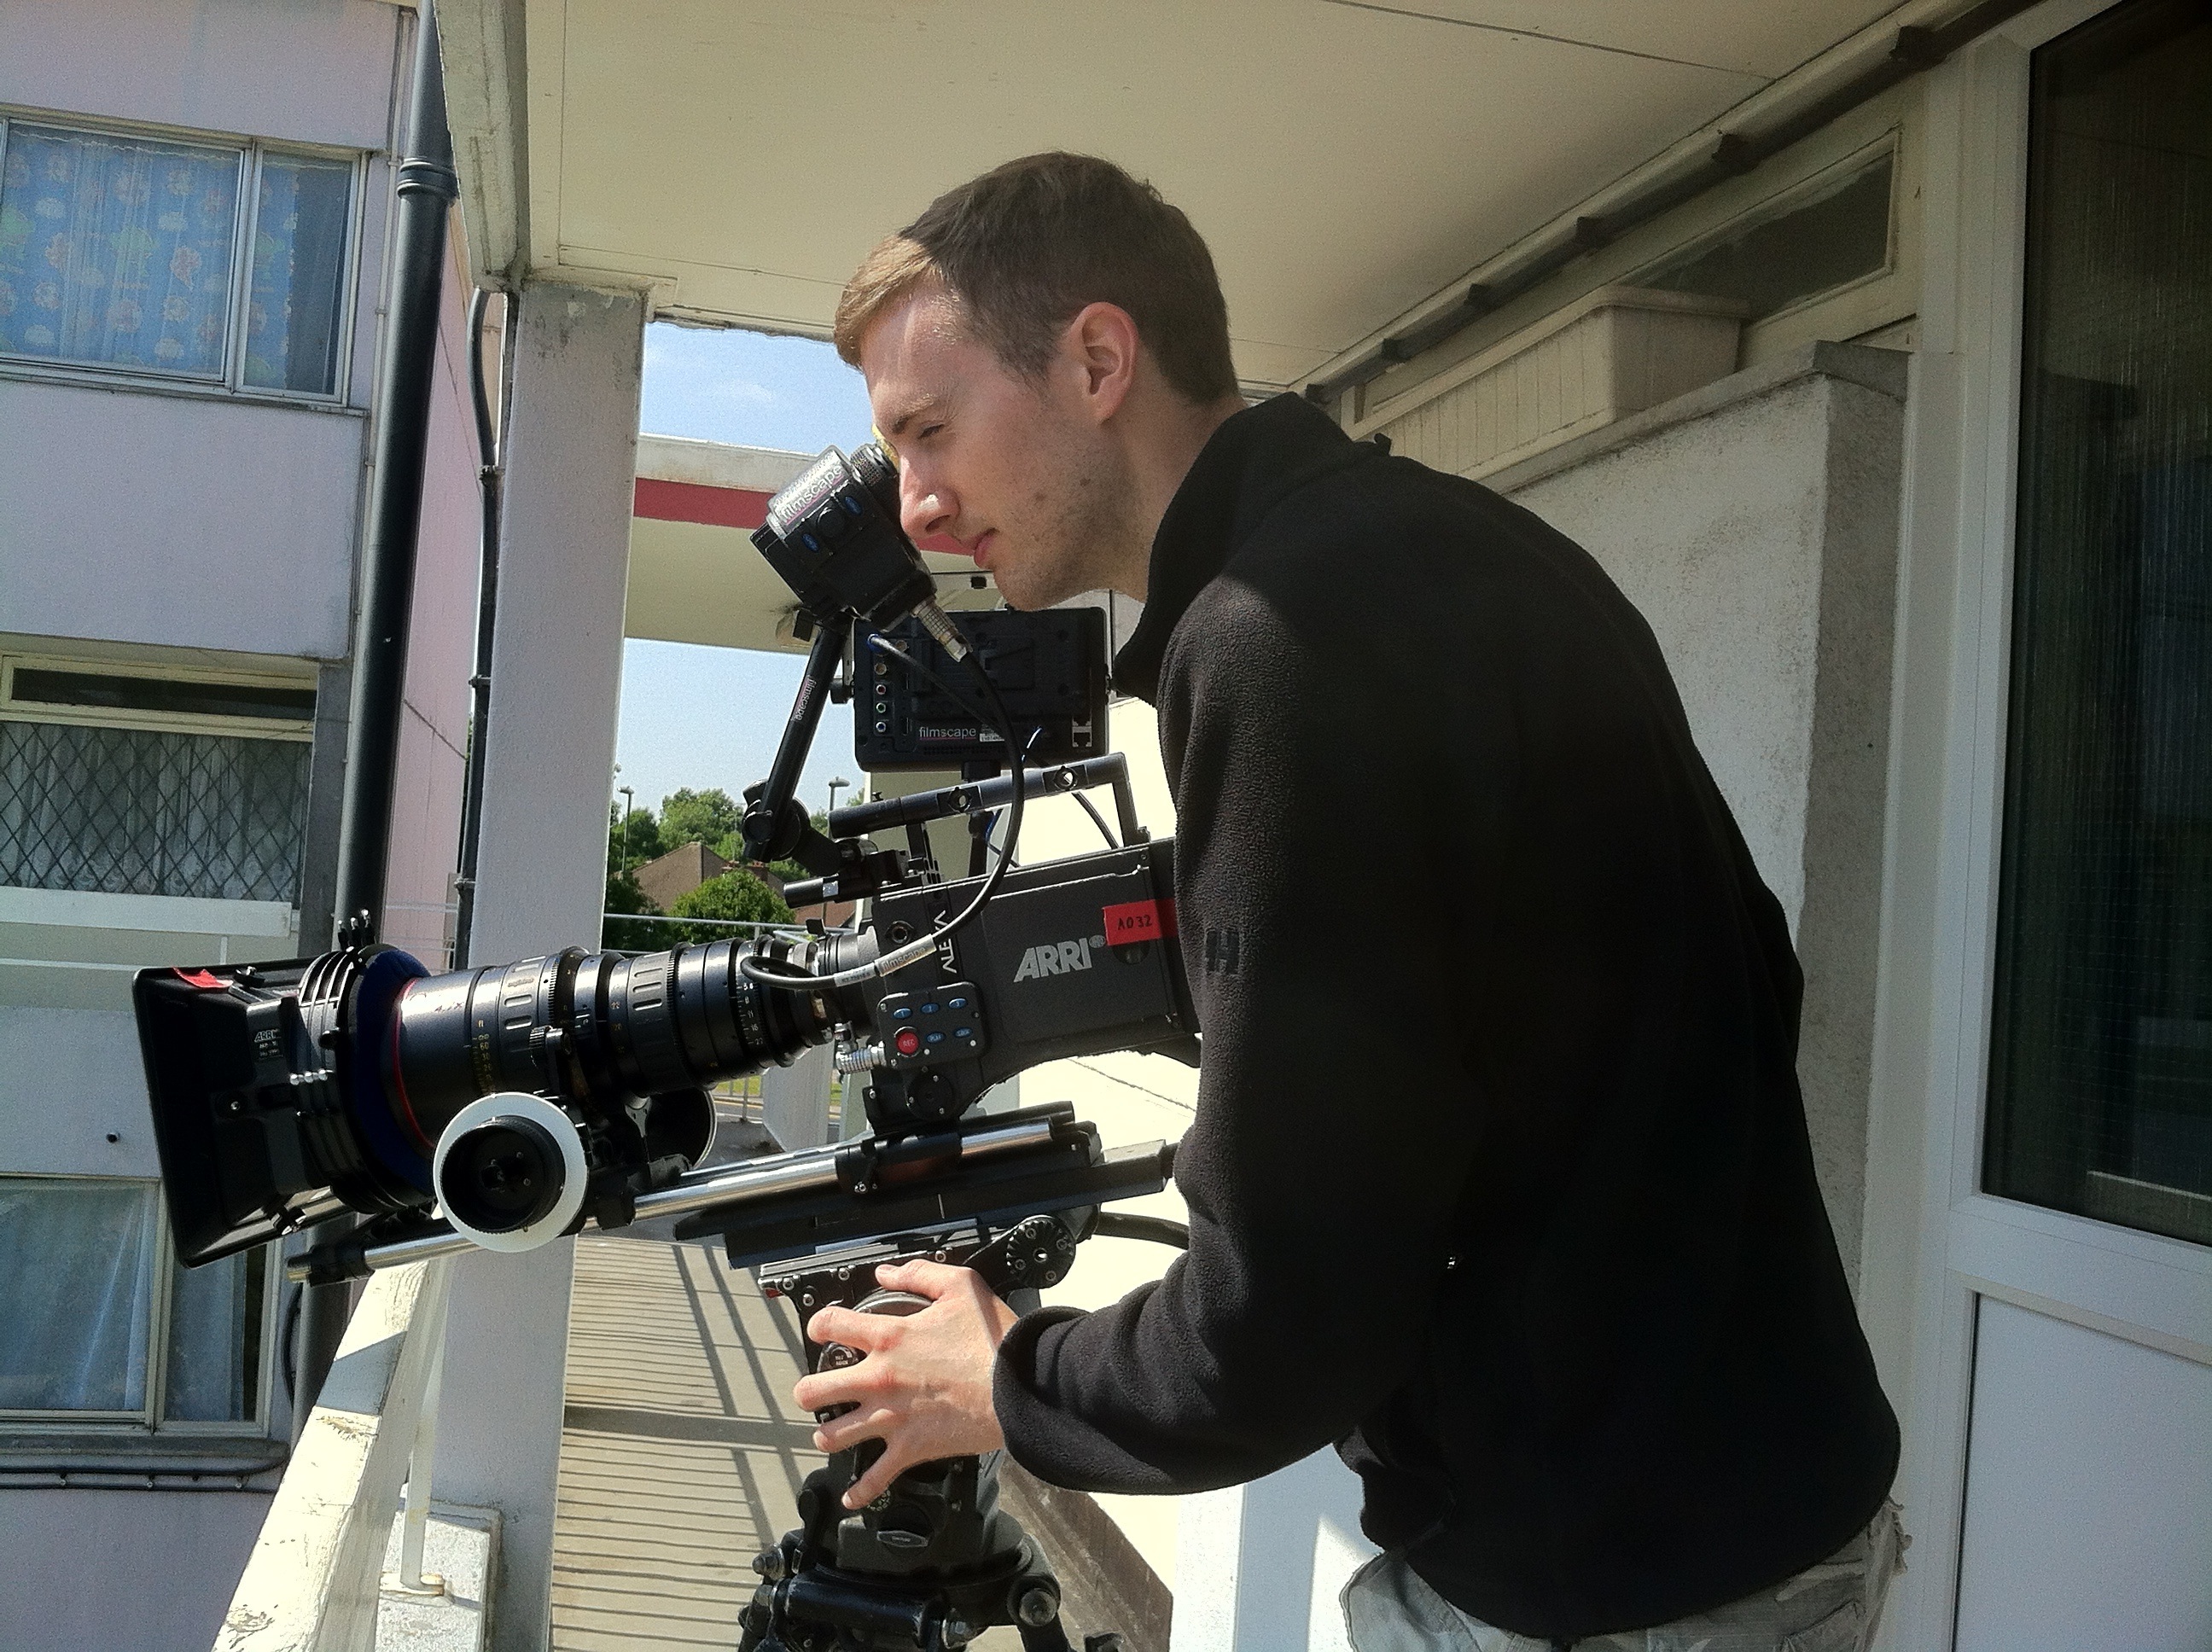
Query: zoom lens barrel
point(603, 1027)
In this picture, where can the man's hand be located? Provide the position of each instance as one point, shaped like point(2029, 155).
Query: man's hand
point(924, 1389)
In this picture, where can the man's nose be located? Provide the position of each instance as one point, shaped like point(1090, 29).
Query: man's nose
point(925, 507)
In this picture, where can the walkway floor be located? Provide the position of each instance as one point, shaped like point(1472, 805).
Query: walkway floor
point(682, 1454)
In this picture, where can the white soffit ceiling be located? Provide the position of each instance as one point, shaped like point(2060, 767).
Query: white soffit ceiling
point(1345, 159)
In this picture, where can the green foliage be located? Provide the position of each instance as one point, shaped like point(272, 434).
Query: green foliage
point(632, 840)
point(735, 895)
point(624, 933)
point(689, 817)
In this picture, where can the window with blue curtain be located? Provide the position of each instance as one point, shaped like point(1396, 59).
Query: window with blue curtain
point(294, 323)
point(120, 252)
point(117, 251)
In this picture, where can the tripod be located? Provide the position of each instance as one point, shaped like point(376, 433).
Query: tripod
point(934, 1561)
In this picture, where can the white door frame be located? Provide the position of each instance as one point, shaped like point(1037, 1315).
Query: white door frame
point(1935, 1242)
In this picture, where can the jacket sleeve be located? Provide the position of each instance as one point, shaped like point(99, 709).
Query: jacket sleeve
point(1335, 1124)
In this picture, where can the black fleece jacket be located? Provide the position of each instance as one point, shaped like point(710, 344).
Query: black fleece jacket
point(1499, 1177)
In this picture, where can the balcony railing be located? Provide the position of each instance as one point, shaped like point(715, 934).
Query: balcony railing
point(312, 1583)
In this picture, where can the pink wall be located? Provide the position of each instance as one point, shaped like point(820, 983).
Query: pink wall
point(319, 73)
point(434, 734)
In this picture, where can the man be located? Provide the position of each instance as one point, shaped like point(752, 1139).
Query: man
point(1514, 1203)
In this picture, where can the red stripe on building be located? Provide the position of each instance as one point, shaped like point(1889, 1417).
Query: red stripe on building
point(728, 507)
point(695, 501)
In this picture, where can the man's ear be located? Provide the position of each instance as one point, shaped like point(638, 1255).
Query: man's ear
point(1101, 346)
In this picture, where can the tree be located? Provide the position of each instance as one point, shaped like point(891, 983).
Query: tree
point(625, 903)
point(735, 895)
point(633, 839)
point(627, 850)
point(689, 817)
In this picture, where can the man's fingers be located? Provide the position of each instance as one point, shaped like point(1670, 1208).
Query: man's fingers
point(877, 1480)
point(824, 1390)
point(867, 1332)
point(923, 1276)
point(868, 1423)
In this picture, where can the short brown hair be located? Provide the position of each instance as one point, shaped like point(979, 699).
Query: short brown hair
point(1027, 244)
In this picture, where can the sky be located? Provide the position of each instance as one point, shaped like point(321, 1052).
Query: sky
point(711, 717)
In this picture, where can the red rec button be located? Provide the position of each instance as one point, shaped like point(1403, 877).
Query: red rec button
point(908, 1042)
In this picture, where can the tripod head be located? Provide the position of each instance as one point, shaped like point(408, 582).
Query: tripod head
point(934, 1561)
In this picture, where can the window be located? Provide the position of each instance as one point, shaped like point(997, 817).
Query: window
point(121, 780)
point(89, 1291)
point(220, 264)
point(1813, 241)
point(2100, 1087)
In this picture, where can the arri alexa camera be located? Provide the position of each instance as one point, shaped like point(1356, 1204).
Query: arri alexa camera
point(507, 1105)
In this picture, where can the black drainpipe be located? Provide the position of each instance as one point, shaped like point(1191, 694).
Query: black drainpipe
point(427, 188)
point(490, 477)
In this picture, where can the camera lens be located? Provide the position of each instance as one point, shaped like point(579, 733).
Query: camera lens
point(502, 1175)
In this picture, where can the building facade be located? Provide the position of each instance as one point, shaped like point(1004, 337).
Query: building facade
point(194, 199)
point(1878, 375)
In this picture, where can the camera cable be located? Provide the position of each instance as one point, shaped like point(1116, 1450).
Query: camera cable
point(915, 952)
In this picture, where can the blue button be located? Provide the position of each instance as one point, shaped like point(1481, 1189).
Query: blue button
point(964, 1032)
point(955, 1002)
point(904, 1012)
point(851, 504)
point(932, 1038)
point(810, 542)
point(929, 1009)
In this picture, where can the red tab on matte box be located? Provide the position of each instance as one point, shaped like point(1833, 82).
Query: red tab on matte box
point(203, 979)
point(1139, 920)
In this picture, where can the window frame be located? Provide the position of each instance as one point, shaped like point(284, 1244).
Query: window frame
point(1867, 304)
point(231, 383)
point(1832, 176)
point(13, 710)
point(25, 1429)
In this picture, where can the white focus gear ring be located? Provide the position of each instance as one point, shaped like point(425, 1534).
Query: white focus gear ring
point(527, 1109)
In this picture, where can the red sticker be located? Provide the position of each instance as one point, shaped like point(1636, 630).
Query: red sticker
point(1139, 920)
point(201, 978)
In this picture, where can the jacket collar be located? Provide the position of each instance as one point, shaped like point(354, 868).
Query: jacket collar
point(1248, 464)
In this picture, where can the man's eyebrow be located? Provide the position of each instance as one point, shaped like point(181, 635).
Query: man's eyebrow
point(912, 410)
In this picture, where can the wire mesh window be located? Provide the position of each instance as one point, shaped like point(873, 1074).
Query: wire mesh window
point(2101, 1095)
point(145, 811)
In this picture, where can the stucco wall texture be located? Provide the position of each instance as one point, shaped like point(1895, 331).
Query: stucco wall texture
point(1754, 524)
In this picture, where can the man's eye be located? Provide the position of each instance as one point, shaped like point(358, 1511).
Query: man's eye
point(926, 432)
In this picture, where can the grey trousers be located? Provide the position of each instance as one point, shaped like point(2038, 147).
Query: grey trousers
point(1835, 1607)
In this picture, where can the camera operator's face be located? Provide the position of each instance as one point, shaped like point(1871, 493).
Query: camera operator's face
point(1005, 464)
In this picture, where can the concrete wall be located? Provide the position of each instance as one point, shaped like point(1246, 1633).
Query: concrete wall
point(102, 1570)
point(191, 519)
point(234, 66)
point(556, 668)
point(1754, 524)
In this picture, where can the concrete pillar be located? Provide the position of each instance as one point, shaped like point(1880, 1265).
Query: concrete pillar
point(795, 1101)
point(556, 670)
